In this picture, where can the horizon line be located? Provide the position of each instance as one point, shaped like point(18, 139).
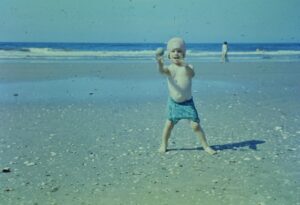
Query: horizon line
point(81, 42)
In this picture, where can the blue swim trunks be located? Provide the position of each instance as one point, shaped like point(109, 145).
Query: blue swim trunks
point(183, 110)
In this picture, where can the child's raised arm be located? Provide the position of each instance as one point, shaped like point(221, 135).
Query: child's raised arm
point(159, 55)
point(161, 68)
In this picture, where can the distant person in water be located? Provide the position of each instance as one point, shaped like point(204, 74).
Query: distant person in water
point(225, 52)
point(180, 102)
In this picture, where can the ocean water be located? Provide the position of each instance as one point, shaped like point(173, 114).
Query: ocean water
point(107, 52)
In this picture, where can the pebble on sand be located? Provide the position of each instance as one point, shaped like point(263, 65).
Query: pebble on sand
point(6, 170)
point(278, 128)
point(27, 163)
point(53, 154)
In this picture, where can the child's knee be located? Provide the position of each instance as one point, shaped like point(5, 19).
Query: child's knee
point(169, 124)
point(195, 126)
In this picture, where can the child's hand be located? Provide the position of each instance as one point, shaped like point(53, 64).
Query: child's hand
point(159, 59)
point(159, 54)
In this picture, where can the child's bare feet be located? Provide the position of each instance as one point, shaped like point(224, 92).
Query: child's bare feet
point(210, 151)
point(162, 148)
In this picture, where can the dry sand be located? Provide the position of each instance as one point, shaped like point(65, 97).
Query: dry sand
point(89, 133)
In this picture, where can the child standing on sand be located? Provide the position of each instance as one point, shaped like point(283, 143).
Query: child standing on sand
point(180, 103)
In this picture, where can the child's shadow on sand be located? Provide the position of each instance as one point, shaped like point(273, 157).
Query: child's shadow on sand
point(251, 144)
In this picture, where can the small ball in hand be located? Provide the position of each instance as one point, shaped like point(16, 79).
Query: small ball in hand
point(159, 52)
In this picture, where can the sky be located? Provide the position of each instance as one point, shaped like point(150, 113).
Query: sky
point(197, 21)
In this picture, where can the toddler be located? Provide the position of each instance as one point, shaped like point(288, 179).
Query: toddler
point(180, 102)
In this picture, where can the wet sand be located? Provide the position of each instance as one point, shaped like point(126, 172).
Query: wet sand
point(79, 133)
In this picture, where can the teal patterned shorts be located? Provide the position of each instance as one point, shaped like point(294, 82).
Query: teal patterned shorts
point(184, 110)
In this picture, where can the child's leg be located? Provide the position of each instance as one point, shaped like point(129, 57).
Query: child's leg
point(165, 136)
point(201, 135)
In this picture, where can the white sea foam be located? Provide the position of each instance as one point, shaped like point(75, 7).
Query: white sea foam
point(244, 53)
point(49, 54)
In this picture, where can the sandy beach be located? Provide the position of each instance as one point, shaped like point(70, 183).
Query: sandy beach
point(88, 133)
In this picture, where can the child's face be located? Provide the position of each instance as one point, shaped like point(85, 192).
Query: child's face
point(176, 55)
